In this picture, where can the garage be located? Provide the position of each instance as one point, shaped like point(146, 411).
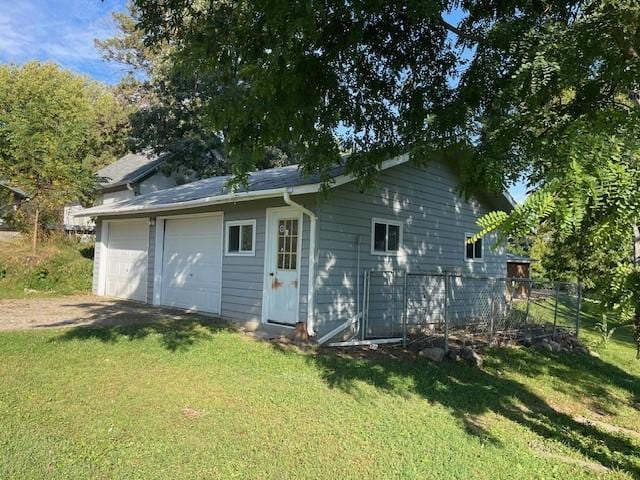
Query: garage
point(126, 265)
point(192, 263)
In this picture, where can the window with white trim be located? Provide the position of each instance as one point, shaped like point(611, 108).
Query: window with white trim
point(386, 236)
point(240, 237)
point(473, 250)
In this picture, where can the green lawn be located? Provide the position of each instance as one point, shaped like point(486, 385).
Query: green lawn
point(194, 400)
point(62, 266)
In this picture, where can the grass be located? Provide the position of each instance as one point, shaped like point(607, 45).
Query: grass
point(62, 266)
point(194, 399)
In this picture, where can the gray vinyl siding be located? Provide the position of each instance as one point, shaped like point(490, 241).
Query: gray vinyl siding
point(243, 276)
point(434, 218)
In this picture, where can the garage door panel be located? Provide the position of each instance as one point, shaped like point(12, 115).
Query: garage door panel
point(126, 266)
point(192, 263)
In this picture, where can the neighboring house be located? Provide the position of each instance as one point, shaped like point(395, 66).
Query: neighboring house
point(518, 266)
point(251, 256)
point(132, 175)
point(9, 201)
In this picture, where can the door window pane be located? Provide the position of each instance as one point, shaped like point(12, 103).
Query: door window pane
point(287, 244)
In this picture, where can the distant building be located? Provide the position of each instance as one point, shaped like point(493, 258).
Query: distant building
point(9, 203)
point(132, 175)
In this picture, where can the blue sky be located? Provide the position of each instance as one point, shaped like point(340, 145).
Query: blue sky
point(59, 30)
point(64, 31)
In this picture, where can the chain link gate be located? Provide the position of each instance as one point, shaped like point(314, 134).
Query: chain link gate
point(444, 307)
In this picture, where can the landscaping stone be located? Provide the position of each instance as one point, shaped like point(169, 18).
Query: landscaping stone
point(555, 346)
point(471, 357)
point(435, 354)
point(453, 355)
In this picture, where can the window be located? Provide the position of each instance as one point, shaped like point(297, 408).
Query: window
point(241, 237)
point(473, 251)
point(386, 236)
point(287, 244)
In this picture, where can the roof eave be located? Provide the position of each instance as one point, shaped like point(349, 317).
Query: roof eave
point(200, 202)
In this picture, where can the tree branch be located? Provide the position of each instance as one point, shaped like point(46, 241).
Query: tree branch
point(462, 34)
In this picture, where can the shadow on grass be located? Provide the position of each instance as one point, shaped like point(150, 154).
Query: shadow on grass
point(113, 322)
point(470, 393)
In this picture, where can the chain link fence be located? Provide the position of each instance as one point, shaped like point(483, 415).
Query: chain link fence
point(466, 309)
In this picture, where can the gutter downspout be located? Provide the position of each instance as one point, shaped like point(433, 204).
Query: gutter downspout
point(312, 260)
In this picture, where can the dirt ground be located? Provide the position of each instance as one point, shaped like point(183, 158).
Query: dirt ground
point(75, 310)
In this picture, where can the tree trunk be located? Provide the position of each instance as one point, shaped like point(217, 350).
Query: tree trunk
point(36, 225)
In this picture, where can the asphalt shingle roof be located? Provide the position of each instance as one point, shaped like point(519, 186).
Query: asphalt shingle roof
point(273, 178)
point(15, 190)
point(127, 169)
point(271, 181)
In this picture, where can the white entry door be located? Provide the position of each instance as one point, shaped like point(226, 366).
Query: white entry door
point(284, 228)
point(126, 263)
point(192, 263)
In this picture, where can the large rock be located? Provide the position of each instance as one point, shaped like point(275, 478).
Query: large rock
point(471, 357)
point(555, 346)
point(452, 354)
point(435, 354)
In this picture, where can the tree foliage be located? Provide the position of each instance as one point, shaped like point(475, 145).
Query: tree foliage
point(56, 128)
point(170, 116)
point(375, 78)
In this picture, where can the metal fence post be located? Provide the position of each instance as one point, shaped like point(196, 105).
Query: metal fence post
point(446, 311)
point(526, 317)
point(365, 316)
point(492, 313)
point(555, 311)
point(578, 309)
point(404, 311)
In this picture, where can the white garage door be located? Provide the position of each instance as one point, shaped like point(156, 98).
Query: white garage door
point(192, 263)
point(126, 264)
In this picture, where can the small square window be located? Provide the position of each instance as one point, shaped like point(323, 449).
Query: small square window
point(386, 237)
point(240, 238)
point(473, 250)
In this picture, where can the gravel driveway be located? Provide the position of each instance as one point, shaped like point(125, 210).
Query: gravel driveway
point(75, 310)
